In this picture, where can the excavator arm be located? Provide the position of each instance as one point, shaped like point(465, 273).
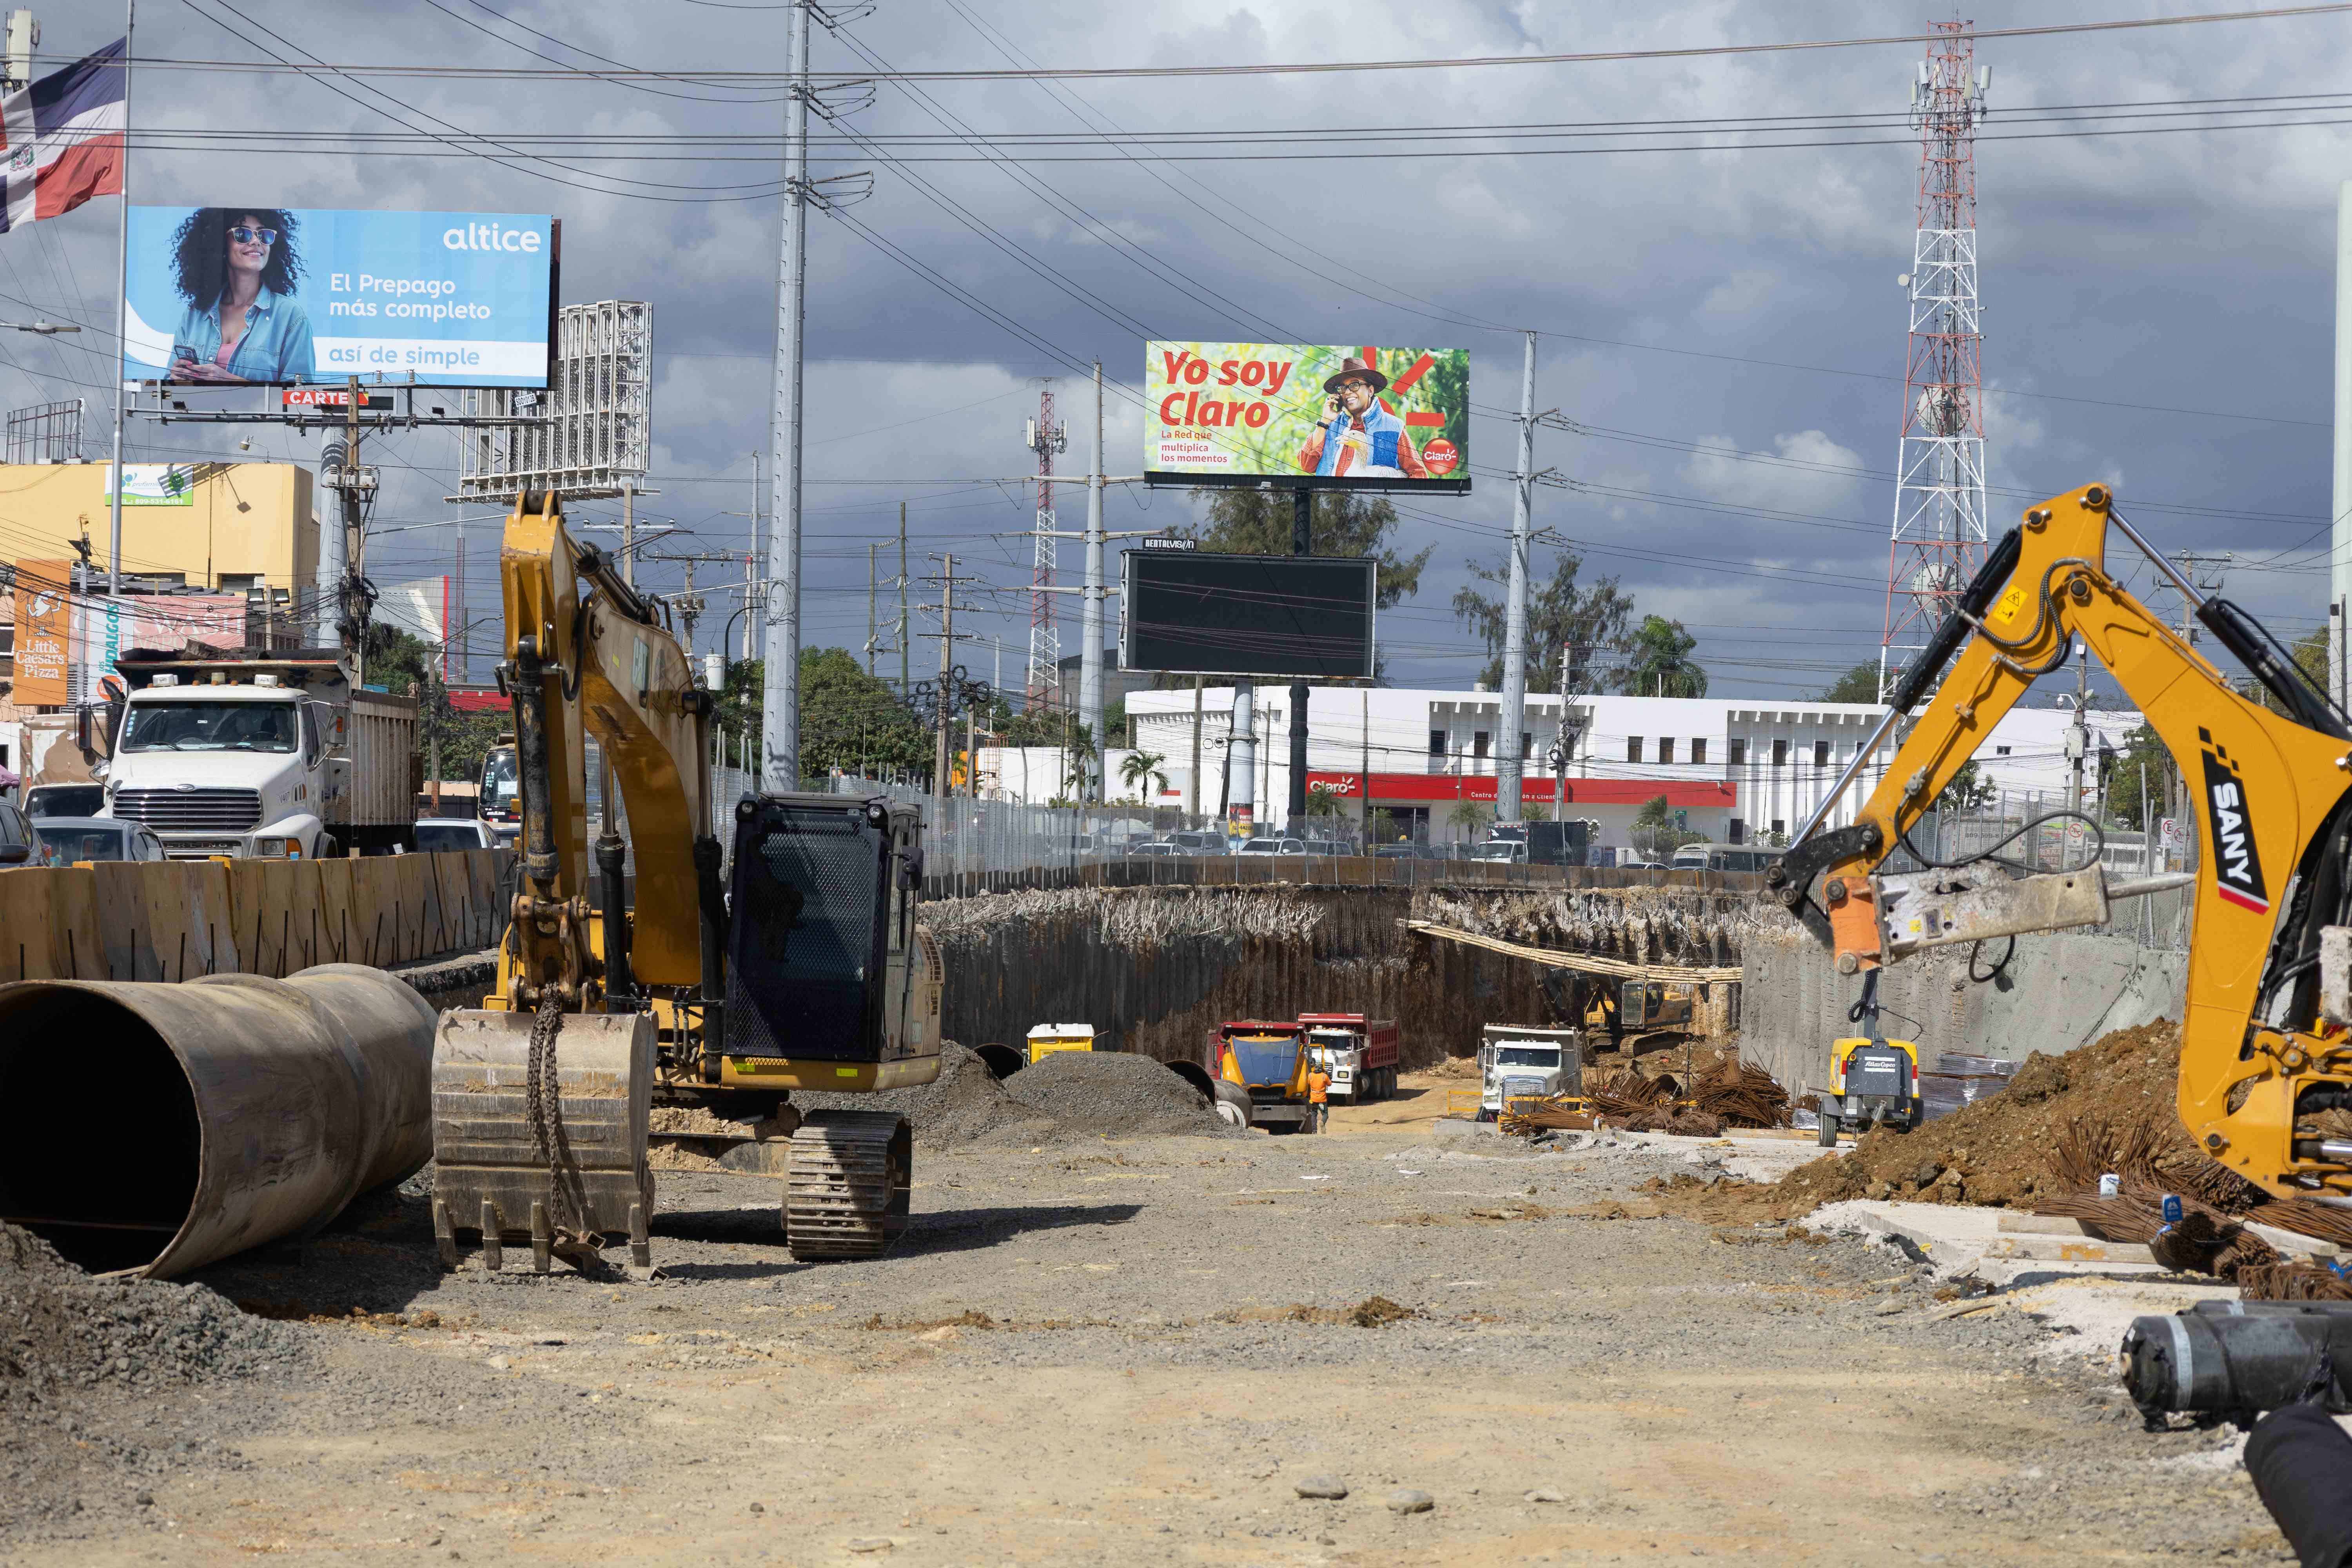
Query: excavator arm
point(2257, 1060)
point(586, 655)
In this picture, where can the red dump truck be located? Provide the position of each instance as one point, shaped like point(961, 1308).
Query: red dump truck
point(1360, 1054)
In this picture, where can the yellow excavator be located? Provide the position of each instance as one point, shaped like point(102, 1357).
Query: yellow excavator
point(674, 992)
point(2264, 1043)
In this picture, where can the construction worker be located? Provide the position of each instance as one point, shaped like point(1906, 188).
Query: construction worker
point(1319, 1095)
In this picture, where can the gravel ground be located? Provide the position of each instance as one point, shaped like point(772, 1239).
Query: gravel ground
point(1073, 1095)
point(1138, 1350)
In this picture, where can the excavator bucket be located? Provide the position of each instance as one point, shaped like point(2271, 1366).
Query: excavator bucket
point(565, 1179)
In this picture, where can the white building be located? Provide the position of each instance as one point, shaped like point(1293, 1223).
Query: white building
point(1734, 768)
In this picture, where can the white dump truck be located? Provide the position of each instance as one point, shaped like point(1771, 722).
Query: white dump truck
point(1519, 1062)
point(276, 756)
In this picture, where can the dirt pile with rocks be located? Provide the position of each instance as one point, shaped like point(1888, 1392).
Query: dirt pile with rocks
point(1116, 1093)
point(75, 1350)
point(1069, 1095)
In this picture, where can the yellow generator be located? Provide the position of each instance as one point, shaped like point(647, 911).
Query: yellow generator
point(1048, 1039)
point(1871, 1081)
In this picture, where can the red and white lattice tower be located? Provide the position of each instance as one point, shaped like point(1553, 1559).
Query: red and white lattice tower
point(1041, 684)
point(1940, 471)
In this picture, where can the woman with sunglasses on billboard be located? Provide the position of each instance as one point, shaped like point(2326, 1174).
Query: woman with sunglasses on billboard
point(237, 268)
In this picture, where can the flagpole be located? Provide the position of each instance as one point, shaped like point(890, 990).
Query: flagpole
point(121, 309)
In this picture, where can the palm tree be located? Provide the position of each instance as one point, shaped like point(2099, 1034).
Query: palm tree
point(1142, 769)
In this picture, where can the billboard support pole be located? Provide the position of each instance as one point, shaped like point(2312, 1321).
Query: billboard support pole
point(1509, 763)
point(121, 309)
point(1302, 543)
point(1090, 615)
point(780, 740)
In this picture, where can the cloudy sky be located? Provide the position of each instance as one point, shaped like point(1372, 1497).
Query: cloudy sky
point(1721, 321)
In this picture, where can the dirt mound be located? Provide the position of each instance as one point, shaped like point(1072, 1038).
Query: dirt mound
point(1071, 1095)
point(2000, 1151)
point(1113, 1092)
point(965, 1104)
point(65, 1330)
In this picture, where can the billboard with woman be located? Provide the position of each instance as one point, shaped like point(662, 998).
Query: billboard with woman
point(274, 296)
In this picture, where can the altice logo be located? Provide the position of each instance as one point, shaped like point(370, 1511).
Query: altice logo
point(490, 236)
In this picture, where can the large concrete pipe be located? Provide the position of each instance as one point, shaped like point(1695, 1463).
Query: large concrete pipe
point(155, 1127)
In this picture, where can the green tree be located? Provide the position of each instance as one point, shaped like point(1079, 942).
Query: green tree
point(1560, 612)
point(849, 720)
point(1386, 830)
point(1969, 790)
point(1474, 815)
point(1657, 832)
point(1343, 522)
point(1143, 769)
point(1658, 662)
point(2136, 779)
point(1322, 800)
point(1859, 684)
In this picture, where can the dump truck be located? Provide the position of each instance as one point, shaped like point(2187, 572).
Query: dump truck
point(1360, 1053)
point(1269, 1060)
point(1517, 1061)
point(278, 756)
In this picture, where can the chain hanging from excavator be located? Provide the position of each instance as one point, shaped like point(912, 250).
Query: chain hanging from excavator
point(660, 994)
point(2265, 1049)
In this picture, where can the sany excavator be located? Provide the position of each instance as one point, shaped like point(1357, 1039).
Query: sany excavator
point(2264, 1043)
point(807, 972)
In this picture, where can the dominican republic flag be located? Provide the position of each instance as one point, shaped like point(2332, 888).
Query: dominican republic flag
point(61, 138)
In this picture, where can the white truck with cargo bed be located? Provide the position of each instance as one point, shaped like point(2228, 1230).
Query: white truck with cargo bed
point(273, 756)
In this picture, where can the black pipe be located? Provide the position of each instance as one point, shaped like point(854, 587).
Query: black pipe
point(611, 853)
point(1955, 627)
point(2233, 1363)
point(713, 904)
point(2281, 677)
point(534, 779)
point(2301, 1463)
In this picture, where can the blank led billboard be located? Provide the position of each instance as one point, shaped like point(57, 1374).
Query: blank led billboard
point(1308, 617)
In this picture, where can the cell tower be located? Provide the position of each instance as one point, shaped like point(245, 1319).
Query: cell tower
point(1939, 469)
point(1045, 437)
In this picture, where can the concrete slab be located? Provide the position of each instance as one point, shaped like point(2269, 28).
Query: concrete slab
point(1462, 1127)
point(1756, 1155)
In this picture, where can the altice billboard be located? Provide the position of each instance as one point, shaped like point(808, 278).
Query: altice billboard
point(276, 296)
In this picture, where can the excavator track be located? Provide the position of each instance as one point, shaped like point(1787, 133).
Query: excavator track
point(849, 1181)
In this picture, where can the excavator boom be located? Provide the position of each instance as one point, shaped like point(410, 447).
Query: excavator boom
point(2256, 1059)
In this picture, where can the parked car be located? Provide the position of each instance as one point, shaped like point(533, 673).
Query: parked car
point(1502, 851)
point(17, 846)
point(1198, 841)
point(1397, 852)
point(1723, 857)
point(1274, 847)
point(65, 800)
point(435, 834)
point(67, 840)
point(1156, 849)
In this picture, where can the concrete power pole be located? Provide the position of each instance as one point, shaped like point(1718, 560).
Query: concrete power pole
point(1090, 613)
point(1509, 764)
point(2078, 736)
point(2339, 557)
point(1302, 543)
point(780, 740)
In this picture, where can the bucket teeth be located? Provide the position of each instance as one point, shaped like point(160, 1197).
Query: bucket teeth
point(848, 1185)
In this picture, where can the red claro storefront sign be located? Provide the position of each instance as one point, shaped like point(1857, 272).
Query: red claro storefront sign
point(1406, 788)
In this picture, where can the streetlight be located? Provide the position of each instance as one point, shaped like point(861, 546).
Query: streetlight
point(47, 329)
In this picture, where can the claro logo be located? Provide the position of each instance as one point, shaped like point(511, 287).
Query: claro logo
point(490, 236)
point(2237, 865)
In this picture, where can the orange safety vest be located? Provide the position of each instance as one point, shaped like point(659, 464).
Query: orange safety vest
point(1317, 1084)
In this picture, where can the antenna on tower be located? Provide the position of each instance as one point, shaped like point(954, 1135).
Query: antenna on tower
point(1046, 437)
point(1939, 471)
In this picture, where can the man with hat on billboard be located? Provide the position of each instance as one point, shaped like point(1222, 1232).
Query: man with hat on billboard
point(1356, 438)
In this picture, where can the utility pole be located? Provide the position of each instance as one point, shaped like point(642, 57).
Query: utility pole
point(905, 683)
point(1240, 762)
point(2078, 736)
point(780, 760)
point(689, 606)
point(755, 613)
point(942, 785)
point(2339, 555)
point(1510, 761)
point(339, 466)
point(121, 281)
point(873, 559)
point(1192, 806)
point(1090, 612)
point(1364, 773)
point(628, 535)
point(1302, 543)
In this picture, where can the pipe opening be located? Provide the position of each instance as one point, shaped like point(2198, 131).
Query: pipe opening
point(101, 1149)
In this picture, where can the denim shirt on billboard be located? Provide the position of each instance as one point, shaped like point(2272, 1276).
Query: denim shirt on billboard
point(276, 345)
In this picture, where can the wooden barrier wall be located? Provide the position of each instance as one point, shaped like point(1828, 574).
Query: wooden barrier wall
point(174, 920)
